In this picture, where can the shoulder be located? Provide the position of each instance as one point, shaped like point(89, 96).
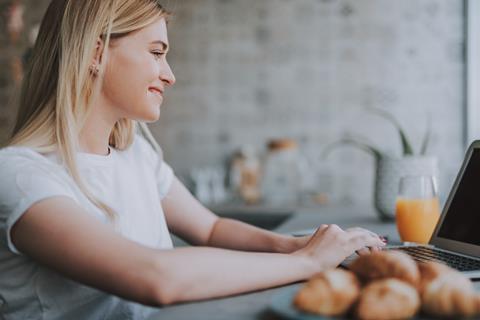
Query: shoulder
point(19, 153)
point(139, 142)
point(26, 177)
point(22, 158)
point(21, 164)
point(142, 148)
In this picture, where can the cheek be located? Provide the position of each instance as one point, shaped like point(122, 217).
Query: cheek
point(125, 88)
point(115, 85)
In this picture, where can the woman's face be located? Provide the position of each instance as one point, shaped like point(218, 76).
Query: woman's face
point(137, 73)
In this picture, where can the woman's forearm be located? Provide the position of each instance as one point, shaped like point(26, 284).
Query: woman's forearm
point(195, 273)
point(233, 234)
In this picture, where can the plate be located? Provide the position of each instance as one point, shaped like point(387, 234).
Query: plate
point(281, 304)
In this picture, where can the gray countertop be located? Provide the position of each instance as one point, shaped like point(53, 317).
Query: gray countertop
point(256, 305)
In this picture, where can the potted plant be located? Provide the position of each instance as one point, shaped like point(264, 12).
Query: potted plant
point(389, 168)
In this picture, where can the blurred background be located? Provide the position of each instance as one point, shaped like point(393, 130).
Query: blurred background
point(256, 77)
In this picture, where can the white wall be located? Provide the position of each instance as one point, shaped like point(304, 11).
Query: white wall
point(250, 70)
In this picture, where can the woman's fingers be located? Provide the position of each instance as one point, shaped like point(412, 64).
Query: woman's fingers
point(356, 237)
point(364, 230)
point(324, 228)
point(361, 239)
point(346, 242)
point(368, 250)
point(363, 251)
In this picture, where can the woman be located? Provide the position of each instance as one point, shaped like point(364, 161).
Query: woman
point(85, 200)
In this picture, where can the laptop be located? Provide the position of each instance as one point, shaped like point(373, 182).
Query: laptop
point(456, 239)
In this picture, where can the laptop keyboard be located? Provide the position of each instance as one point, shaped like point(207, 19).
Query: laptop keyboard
point(423, 254)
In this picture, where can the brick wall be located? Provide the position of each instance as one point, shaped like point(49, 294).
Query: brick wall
point(251, 70)
point(12, 51)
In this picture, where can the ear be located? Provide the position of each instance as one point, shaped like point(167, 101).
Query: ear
point(98, 53)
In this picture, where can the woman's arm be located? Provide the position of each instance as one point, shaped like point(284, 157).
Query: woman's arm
point(232, 234)
point(190, 220)
point(56, 232)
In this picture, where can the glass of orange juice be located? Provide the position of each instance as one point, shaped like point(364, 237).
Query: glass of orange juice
point(417, 208)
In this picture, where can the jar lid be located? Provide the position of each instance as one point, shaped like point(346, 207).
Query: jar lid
point(281, 144)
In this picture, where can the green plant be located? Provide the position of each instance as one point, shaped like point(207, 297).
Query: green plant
point(363, 143)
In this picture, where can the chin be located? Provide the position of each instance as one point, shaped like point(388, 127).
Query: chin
point(152, 116)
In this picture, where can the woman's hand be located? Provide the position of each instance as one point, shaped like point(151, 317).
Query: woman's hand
point(330, 245)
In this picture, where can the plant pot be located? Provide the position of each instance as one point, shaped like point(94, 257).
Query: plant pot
point(388, 173)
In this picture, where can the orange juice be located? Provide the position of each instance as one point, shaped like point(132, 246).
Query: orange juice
point(417, 218)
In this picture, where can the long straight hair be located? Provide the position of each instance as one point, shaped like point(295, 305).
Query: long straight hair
point(58, 85)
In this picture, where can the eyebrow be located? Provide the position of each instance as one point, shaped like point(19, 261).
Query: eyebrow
point(162, 43)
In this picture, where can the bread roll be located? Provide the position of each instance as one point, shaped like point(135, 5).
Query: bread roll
point(330, 293)
point(446, 292)
point(386, 264)
point(388, 299)
point(431, 270)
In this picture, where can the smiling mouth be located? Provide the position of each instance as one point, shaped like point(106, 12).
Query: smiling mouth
point(156, 91)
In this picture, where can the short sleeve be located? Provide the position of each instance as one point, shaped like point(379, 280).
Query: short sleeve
point(164, 174)
point(164, 177)
point(25, 178)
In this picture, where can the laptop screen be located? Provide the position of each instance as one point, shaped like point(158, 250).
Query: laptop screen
point(462, 220)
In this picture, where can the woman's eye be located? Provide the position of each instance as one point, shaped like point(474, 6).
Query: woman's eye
point(158, 54)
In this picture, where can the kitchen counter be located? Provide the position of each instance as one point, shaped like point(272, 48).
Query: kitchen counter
point(256, 305)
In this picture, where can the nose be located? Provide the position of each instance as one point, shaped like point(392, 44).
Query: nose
point(166, 75)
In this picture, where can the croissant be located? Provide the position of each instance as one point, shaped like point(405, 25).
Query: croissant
point(388, 299)
point(446, 292)
point(386, 264)
point(431, 270)
point(330, 293)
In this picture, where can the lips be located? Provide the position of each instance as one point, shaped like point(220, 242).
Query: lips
point(156, 90)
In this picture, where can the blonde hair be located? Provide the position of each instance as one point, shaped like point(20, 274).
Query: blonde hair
point(58, 84)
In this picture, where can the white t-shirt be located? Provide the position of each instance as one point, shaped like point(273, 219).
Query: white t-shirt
point(132, 182)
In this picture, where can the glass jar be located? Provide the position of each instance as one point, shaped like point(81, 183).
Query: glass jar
point(281, 176)
point(245, 175)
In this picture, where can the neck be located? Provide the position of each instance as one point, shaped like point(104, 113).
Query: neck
point(95, 134)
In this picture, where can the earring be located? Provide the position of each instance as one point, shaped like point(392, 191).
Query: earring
point(94, 69)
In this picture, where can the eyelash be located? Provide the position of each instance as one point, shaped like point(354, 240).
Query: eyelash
point(158, 54)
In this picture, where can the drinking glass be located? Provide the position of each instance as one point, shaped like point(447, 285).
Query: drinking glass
point(417, 208)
